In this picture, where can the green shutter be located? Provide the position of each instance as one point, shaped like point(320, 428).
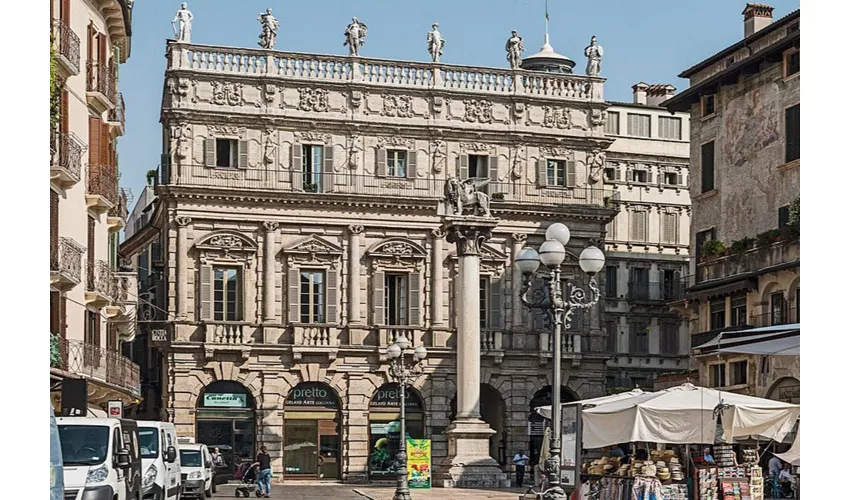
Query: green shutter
point(331, 300)
point(206, 292)
point(294, 298)
point(413, 285)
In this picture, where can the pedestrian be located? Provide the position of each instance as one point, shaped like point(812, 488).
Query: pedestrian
point(218, 460)
point(706, 455)
point(785, 480)
point(617, 451)
point(520, 460)
point(774, 466)
point(264, 485)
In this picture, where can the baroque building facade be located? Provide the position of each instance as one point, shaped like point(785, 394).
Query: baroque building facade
point(299, 206)
point(92, 302)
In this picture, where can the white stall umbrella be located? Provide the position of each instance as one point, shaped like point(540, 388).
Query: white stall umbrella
point(546, 411)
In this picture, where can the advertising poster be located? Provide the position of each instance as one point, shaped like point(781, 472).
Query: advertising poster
point(419, 463)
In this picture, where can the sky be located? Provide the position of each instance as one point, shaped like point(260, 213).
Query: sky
point(649, 41)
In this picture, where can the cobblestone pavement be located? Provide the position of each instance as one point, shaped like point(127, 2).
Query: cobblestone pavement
point(335, 491)
point(386, 493)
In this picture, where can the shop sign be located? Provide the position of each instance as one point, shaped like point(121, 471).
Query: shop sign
point(312, 394)
point(226, 400)
point(159, 335)
point(419, 463)
point(115, 409)
point(389, 396)
point(787, 390)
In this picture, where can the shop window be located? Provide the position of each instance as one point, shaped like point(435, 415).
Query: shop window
point(384, 438)
point(396, 163)
point(738, 373)
point(311, 441)
point(312, 296)
point(395, 299)
point(707, 103)
point(718, 314)
point(717, 375)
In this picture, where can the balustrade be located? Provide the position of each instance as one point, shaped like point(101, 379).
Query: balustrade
point(228, 333)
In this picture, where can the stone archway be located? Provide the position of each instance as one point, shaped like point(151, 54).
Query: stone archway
point(493, 411)
point(536, 422)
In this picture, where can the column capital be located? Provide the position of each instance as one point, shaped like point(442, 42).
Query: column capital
point(438, 233)
point(519, 237)
point(469, 233)
point(182, 221)
point(355, 229)
point(271, 226)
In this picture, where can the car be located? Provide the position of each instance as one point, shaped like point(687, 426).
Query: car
point(57, 483)
point(196, 471)
point(160, 460)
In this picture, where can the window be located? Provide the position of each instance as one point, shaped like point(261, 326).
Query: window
point(639, 125)
point(638, 225)
point(739, 310)
point(717, 309)
point(669, 127)
point(702, 237)
point(639, 283)
point(312, 296)
point(226, 303)
point(707, 167)
point(610, 174)
point(639, 338)
point(396, 163)
point(483, 301)
point(777, 308)
point(611, 339)
point(791, 63)
point(669, 338)
point(395, 299)
point(707, 102)
point(784, 216)
point(478, 167)
point(640, 176)
point(717, 375)
point(738, 373)
point(797, 299)
point(612, 126)
point(611, 281)
point(670, 230)
point(671, 178)
point(671, 286)
point(226, 153)
point(556, 173)
point(792, 133)
point(312, 159)
point(92, 330)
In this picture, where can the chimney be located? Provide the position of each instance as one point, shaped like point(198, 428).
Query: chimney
point(639, 90)
point(658, 93)
point(757, 16)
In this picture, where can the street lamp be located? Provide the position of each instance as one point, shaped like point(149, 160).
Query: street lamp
point(552, 254)
point(403, 373)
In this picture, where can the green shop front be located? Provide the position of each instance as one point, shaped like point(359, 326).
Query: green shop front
point(385, 427)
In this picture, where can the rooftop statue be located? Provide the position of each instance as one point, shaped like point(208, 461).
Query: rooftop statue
point(594, 57)
point(182, 24)
point(514, 48)
point(436, 42)
point(355, 37)
point(268, 36)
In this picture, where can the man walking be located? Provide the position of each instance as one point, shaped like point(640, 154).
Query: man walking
point(264, 485)
point(520, 460)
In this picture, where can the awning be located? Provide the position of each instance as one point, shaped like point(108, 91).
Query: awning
point(546, 411)
point(751, 335)
point(788, 346)
point(792, 456)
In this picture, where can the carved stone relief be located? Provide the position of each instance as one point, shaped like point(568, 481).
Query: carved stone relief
point(517, 161)
point(355, 148)
point(598, 118)
point(311, 99)
point(227, 131)
point(356, 99)
point(269, 92)
point(437, 106)
point(557, 118)
point(395, 140)
point(226, 247)
point(181, 143)
point(478, 147)
point(398, 106)
point(478, 110)
point(556, 152)
point(179, 90)
point(226, 94)
point(397, 253)
point(312, 136)
point(518, 112)
point(439, 155)
point(313, 251)
point(269, 148)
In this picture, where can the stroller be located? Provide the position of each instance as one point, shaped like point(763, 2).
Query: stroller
point(248, 475)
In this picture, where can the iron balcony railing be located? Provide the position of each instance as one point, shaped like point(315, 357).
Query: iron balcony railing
point(103, 182)
point(94, 362)
point(67, 259)
point(67, 153)
point(784, 316)
point(650, 291)
point(100, 77)
point(116, 114)
point(67, 44)
point(120, 208)
point(99, 278)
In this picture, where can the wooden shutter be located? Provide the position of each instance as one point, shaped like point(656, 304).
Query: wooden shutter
point(792, 133)
point(63, 316)
point(64, 11)
point(54, 226)
point(381, 162)
point(164, 168)
point(90, 43)
point(328, 169)
point(670, 220)
point(496, 317)
point(639, 226)
point(205, 292)
point(707, 166)
point(101, 50)
point(297, 167)
point(294, 297)
point(493, 167)
point(571, 173)
point(94, 142)
point(630, 174)
point(680, 179)
point(411, 164)
point(90, 254)
point(105, 146)
point(63, 112)
point(541, 172)
point(55, 312)
point(618, 174)
point(463, 171)
point(649, 176)
point(209, 152)
point(413, 298)
point(378, 298)
point(333, 292)
point(243, 154)
point(96, 333)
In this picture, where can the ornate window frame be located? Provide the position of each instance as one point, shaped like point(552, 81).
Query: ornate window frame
point(313, 252)
point(399, 255)
point(224, 248)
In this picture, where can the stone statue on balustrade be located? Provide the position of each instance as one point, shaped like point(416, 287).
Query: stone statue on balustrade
point(182, 24)
point(594, 57)
point(268, 36)
point(355, 37)
point(514, 48)
point(461, 194)
point(436, 42)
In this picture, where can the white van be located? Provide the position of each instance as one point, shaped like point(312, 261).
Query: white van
point(196, 471)
point(160, 460)
point(100, 458)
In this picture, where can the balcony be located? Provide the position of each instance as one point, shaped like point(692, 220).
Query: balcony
point(102, 189)
point(67, 48)
point(100, 285)
point(77, 359)
point(368, 187)
point(115, 117)
point(654, 291)
point(66, 264)
point(66, 153)
point(230, 333)
point(751, 261)
point(117, 215)
point(100, 86)
point(784, 316)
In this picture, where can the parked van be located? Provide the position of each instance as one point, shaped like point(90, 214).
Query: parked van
point(196, 470)
point(160, 461)
point(57, 484)
point(100, 458)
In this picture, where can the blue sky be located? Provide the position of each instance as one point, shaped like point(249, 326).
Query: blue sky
point(651, 41)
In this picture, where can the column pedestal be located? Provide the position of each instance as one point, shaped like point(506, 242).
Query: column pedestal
point(468, 464)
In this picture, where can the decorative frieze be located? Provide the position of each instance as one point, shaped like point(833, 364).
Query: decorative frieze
point(394, 140)
point(226, 93)
point(478, 111)
point(313, 136)
point(311, 99)
point(398, 106)
point(557, 118)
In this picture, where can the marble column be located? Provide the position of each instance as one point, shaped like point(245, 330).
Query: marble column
point(516, 280)
point(182, 260)
point(469, 464)
point(269, 272)
point(354, 273)
point(437, 277)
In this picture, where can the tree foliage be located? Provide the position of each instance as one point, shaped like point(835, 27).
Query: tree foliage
point(55, 86)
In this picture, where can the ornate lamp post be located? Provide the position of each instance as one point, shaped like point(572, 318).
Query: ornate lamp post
point(552, 253)
point(402, 373)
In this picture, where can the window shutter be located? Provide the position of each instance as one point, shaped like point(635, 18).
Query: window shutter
point(161, 300)
point(541, 173)
point(464, 167)
point(209, 152)
point(105, 149)
point(618, 173)
point(64, 113)
point(297, 168)
point(411, 164)
point(413, 286)
point(90, 252)
point(94, 142)
point(243, 154)
point(328, 169)
point(381, 162)
point(165, 168)
point(63, 316)
point(55, 312)
point(65, 12)
point(680, 179)
point(571, 173)
point(493, 169)
point(294, 297)
point(54, 226)
point(496, 317)
point(332, 289)
point(630, 174)
point(649, 176)
point(378, 298)
point(206, 292)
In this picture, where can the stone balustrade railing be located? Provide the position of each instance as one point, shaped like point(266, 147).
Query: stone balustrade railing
point(228, 333)
point(491, 340)
point(382, 72)
point(315, 335)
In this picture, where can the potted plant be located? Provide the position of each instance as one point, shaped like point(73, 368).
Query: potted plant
point(767, 238)
point(498, 197)
point(311, 188)
point(740, 247)
point(712, 249)
point(151, 177)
